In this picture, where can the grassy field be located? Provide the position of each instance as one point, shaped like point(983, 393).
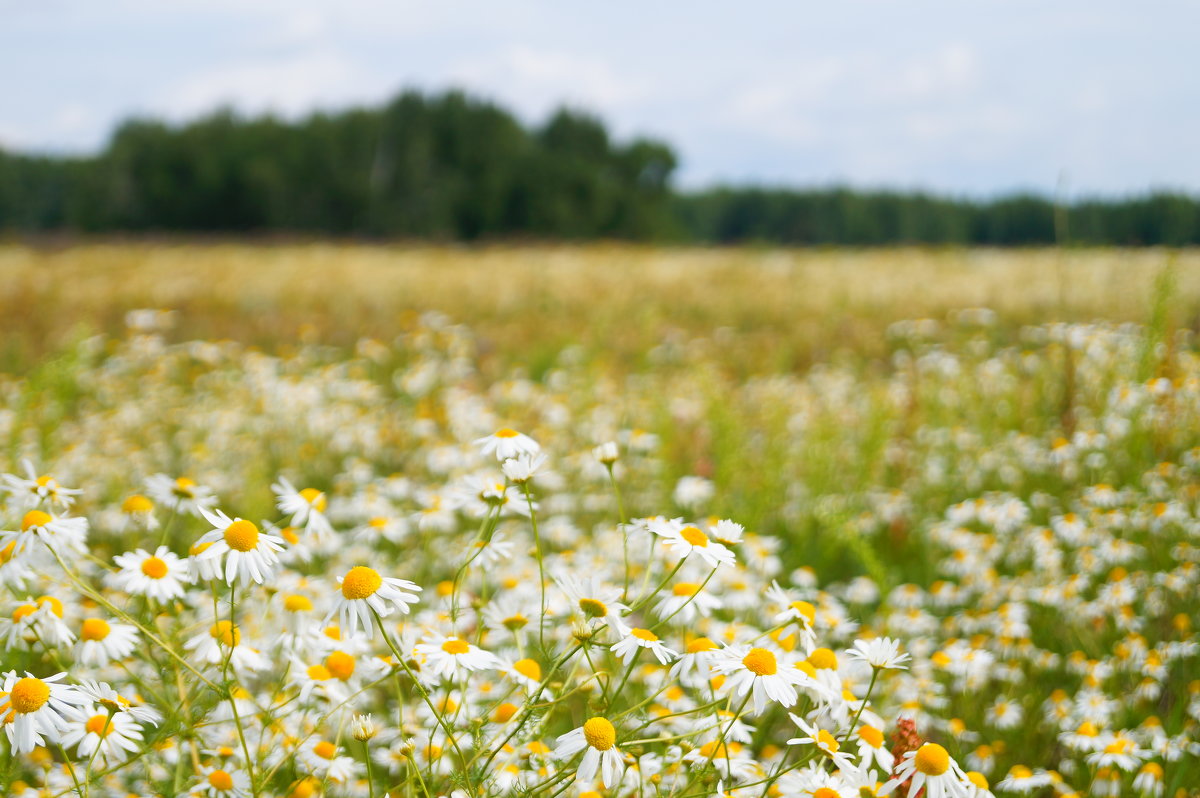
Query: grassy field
point(990, 458)
point(783, 309)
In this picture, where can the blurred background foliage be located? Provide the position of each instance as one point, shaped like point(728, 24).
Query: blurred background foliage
point(449, 167)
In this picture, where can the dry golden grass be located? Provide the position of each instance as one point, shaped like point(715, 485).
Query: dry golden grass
point(786, 308)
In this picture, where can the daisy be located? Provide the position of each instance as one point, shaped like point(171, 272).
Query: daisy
point(873, 748)
point(101, 642)
point(37, 711)
point(180, 494)
point(35, 490)
point(105, 734)
point(636, 639)
point(363, 590)
point(1119, 751)
point(881, 653)
point(321, 759)
point(307, 508)
point(446, 655)
point(251, 554)
point(59, 534)
point(138, 512)
point(756, 671)
point(524, 467)
point(822, 739)
point(159, 575)
point(216, 783)
point(931, 767)
point(686, 540)
point(211, 645)
point(594, 600)
point(692, 668)
point(506, 444)
point(110, 699)
point(685, 601)
point(599, 737)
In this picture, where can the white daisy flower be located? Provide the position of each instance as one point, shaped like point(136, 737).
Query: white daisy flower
point(160, 575)
point(307, 508)
point(101, 641)
point(37, 712)
point(635, 639)
point(35, 490)
point(931, 767)
point(1117, 750)
point(506, 444)
point(880, 652)
point(103, 694)
point(181, 494)
point(58, 534)
point(217, 783)
point(688, 540)
point(692, 667)
point(599, 738)
point(823, 740)
point(756, 671)
point(594, 600)
point(524, 467)
point(320, 758)
point(685, 602)
point(110, 736)
point(873, 748)
point(446, 655)
point(364, 590)
point(210, 646)
point(251, 555)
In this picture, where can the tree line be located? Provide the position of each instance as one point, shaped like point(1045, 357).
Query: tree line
point(452, 167)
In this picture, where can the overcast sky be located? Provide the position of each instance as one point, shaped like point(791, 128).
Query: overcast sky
point(971, 96)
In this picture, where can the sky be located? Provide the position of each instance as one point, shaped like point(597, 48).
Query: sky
point(973, 97)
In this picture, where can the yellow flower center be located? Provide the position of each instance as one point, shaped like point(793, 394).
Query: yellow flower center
point(456, 647)
point(822, 659)
point(226, 632)
point(592, 608)
point(220, 780)
point(504, 712)
point(95, 629)
point(325, 749)
point(977, 778)
point(644, 634)
point(599, 733)
point(288, 533)
point(96, 725)
point(6, 553)
point(686, 589)
point(515, 622)
point(23, 612)
point(694, 536)
point(825, 792)
point(827, 741)
point(1087, 729)
point(340, 664)
point(700, 644)
point(315, 498)
point(319, 673)
point(154, 568)
point(361, 582)
point(34, 518)
point(932, 759)
point(529, 669)
point(241, 535)
point(1117, 747)
point(185, 489)
point(137, 504)
point(297, 603)
point(871, 736)
point(760, 662)
point(56, 606)
point(29, 695)
point(507, 433)
point(805, 609)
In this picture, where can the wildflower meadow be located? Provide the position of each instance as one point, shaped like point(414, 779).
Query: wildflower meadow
point(938, 548)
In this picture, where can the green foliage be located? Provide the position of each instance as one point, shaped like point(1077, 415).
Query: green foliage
point(452, 167)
